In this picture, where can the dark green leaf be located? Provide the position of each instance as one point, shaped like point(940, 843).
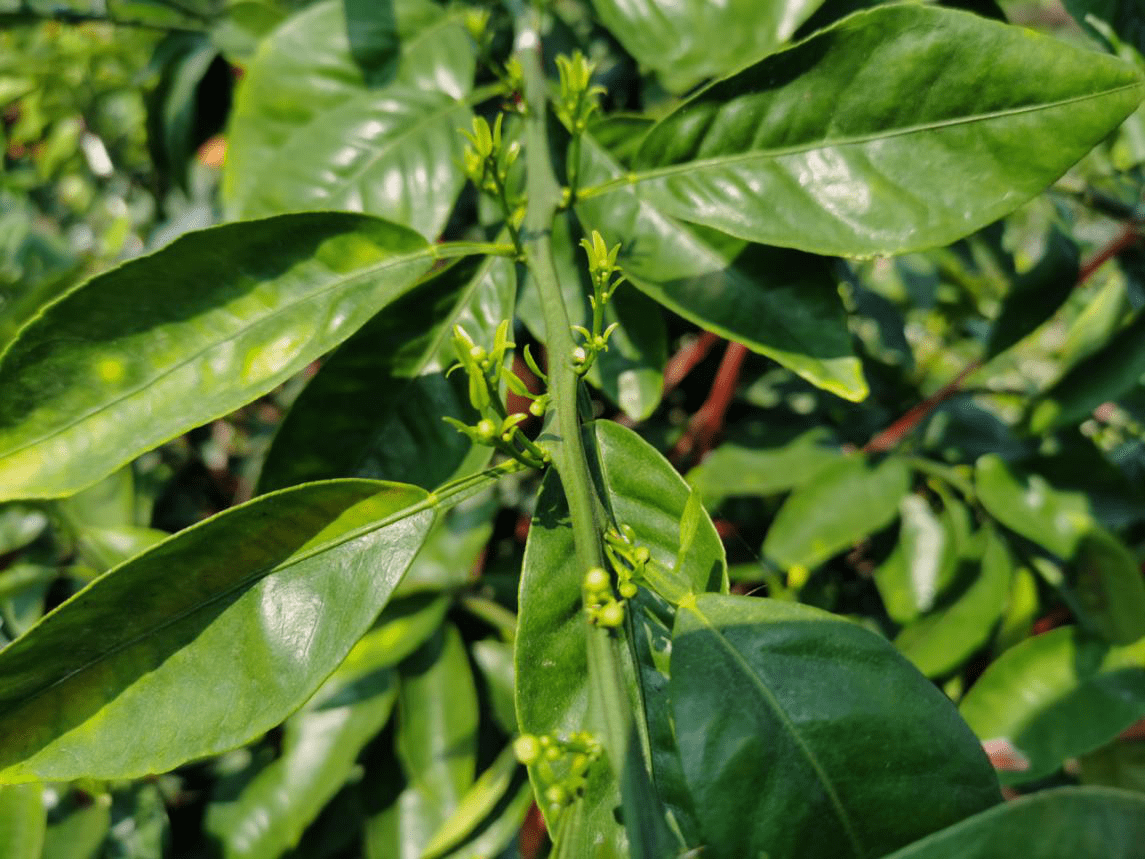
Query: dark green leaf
point(1120, 764)
point(847, 734)
point(688, 41)
point(779, 303)
point(182, 61)
point(1110, 586)
point(1125, 17)
point(234, 623)
point(827, 146)
point(1055, 696)
point(1059, 824)
point(308, 132)
point(372, 29)
point(170, 341)
point(376, 410)
point(845, 502)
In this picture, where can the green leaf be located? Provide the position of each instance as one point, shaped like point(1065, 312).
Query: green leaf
point(688, 41)
point(233, 624)
point(1125, 17)
point(1107, 374)
point(1056, 824)
point(1120, 764)
point(23, 820)
point(20, 525)
point(182, 61)
point(1030, 506)
point(632, 369)
point(319, 746)
point(782, 304)
point(922, 563)
point(377, 412)
point(1056, 696)
point(849, 735)
point(766, 466)
point(170, 341)
point(80, 830)
point(1110, 587)
point(641, 490)
point(489, 814)
point(828, 147)
point(372, 30)
point(942, 640)
point(308, 131)
point(846, 502)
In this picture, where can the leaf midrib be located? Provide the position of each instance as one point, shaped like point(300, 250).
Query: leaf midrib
point(430, 252)
point(773, 703)
point(858, 139)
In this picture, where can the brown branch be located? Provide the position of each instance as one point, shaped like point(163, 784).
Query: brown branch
point(708, 421)
point(888, 438)
point(684, 361)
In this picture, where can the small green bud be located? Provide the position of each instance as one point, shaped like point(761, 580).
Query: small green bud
point(554, 753)
point(527, 748)
point(555, 794)
point(627, 590)
point(486, 430)
point(537, 407)
point(596, 580)
point(611, 615)
point(642, 555)
point(579, 355)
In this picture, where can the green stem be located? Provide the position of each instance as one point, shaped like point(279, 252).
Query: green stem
point(452, 250)
point(567, 449)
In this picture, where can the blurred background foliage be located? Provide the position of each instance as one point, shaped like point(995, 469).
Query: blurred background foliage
point(995, 532)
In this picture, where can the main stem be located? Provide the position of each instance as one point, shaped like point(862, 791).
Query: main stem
point(567, 450)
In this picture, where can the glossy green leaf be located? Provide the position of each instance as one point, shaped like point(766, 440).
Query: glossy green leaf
point(828, 147)
point(1030, 506)
point(23, 820)
point(104, 548)
point(494, 659)
point(20, 524)
point(1057, 824)
point(194, 331)
point(375, 408)
point(452, 548)
point(489, 814)
point(642, 491)
point(182, 61)
point(1107, 374)
point(845, 502)
point(140, 828)
point(766, 466)
point(1125, 17)
point(943, 639)
point(1110, 586)
point(234, 623)
point(1055, 696)
point(309, 132)
point(848, 734)
point(782, 304)
point(685, 42)
point(372, 31)
point(319, 746)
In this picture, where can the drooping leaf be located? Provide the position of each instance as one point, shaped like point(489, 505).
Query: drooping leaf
point(1054, 824)
point(827, 147)
point(170, 341)
point(689, 41)
point(234, 623)
point(836, 733)
point(846, 502)
point(942, 640)
point(309, 132)
point(319, 747)
point(1107, 374)
point(782, 304)
point(376, 410)
point(1055, 696)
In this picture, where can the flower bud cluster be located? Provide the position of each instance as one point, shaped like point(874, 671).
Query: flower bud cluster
point(486, 371)
point(578, 98)
point(601, 266)
point(628, 560)
point(486, 162)
point(560, 765)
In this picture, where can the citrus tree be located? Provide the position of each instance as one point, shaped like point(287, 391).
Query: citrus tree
point(370, 512)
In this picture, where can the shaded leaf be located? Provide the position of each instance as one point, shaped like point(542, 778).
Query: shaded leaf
point(782, 304)
point(375, 408)
point(23, 820)
point(826, 146)
point(921, 564)
point(170, 341)
point(266, 599)
point(848, 734)
point(1055, 696)
point(1110, 586)
point(1055, 824)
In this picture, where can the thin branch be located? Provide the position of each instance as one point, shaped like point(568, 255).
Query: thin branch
point(708, 421)
point(684, 361)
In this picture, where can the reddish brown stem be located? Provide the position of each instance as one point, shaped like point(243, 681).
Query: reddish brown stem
point(708, 421)
point(684, 361)
point(893, 434)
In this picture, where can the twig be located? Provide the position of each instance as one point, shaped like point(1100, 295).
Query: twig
point(684, 361)
point(708, 421)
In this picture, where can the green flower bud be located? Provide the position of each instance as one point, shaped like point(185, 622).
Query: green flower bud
point(596, 580)
point(527, 748)
point(611, 615)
